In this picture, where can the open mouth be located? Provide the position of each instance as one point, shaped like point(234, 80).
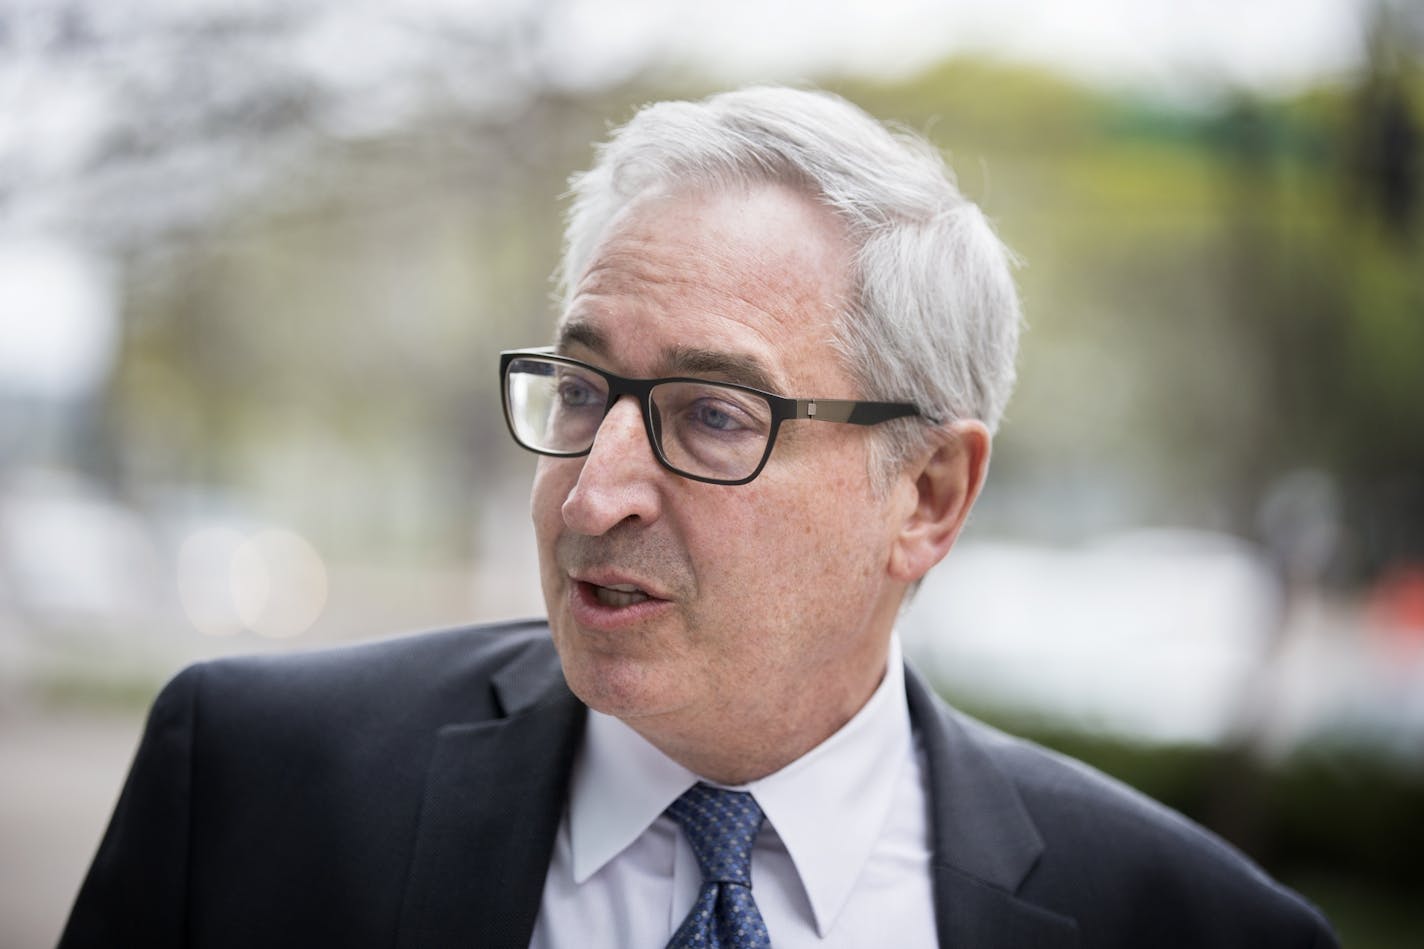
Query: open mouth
point(618, 595)
point(613, 607)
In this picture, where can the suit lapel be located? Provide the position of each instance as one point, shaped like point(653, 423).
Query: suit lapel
point(985, 842)
point(493, 801)
point(495, 794)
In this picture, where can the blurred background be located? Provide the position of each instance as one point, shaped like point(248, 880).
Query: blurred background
point(257, 258)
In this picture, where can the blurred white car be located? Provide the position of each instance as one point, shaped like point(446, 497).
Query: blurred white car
point(1149, 634)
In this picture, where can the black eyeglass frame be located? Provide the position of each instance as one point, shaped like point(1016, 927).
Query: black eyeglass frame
point(783, 409)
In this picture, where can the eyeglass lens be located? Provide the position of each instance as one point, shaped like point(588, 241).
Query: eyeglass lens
point(700, 428)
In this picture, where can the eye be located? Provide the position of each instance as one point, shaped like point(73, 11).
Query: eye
point(576, 392)
point(717, 416)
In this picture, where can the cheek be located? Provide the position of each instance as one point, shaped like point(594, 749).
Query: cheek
point(793, 546)
point(552, 483)
point(834, 541)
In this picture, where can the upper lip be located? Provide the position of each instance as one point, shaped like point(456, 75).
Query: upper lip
point(612, 578)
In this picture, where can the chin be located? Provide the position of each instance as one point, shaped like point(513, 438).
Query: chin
point(621, 686)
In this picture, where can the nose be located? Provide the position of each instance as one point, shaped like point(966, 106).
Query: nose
point(620, 476)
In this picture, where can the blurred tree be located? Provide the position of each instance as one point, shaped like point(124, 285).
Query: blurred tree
point(326, 219)
point(1328, 288)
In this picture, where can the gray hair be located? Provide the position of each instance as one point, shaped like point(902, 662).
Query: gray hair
point(934, 317)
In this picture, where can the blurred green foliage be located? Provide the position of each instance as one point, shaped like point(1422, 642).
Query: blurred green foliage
point(1217, 295)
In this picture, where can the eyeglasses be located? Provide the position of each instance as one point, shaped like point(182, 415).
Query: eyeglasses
point(717, 432)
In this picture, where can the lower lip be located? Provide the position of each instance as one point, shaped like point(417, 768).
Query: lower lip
point(589, 612)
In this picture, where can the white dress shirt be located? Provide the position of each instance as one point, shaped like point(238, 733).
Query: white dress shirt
point(842, 860)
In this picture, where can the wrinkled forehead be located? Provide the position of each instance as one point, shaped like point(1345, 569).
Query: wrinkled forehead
point(733, 283)
point(679, 359)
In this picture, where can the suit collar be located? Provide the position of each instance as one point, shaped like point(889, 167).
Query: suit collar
point(530, 678)
point(985, 842)
point(495, 794)
point(494, 797)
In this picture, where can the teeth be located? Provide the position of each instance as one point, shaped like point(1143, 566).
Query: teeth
point(622, 594)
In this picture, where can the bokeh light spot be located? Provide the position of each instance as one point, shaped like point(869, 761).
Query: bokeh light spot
point(271, 582)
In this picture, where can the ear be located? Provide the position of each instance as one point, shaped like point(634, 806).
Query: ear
point(941, 488)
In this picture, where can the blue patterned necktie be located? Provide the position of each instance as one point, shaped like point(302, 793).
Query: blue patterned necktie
point(721, 826)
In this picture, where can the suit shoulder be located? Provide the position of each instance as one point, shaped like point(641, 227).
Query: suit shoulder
point(1069, 794)
point(1047, 777)
point(468, 646)
point(1100, 835)
point(449, 670)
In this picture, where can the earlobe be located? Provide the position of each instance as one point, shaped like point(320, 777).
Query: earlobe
point(946, 482)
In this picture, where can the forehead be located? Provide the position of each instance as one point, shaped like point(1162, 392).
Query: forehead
point(744, 283)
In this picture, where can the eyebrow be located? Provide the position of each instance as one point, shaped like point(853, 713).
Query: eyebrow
point(578, 332)
point(679, 360)
point(731, 367)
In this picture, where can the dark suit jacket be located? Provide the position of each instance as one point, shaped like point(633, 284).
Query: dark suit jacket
point(407, 793)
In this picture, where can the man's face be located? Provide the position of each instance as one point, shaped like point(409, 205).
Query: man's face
point(682, 607)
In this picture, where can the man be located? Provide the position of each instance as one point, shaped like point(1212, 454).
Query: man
point(785, 343)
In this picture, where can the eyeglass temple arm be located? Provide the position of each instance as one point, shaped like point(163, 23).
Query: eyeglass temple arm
point(856, 413)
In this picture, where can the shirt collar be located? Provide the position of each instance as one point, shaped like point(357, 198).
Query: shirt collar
point(621, 784)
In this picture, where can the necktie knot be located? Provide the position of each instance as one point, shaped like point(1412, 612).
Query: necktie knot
point(721, 826)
